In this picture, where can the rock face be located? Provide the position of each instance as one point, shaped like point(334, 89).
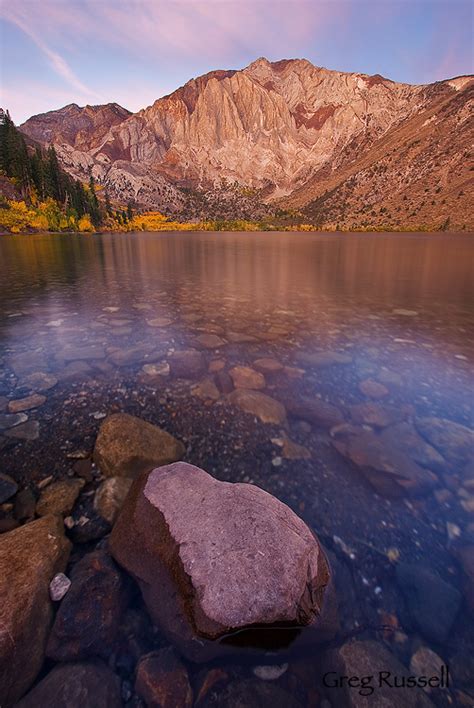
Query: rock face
point(30, 556)
point(295, 130)
point(213, 558)
point(127, 445)
point(84, 684)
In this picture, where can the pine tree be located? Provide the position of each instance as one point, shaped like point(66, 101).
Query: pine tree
point(130, 211)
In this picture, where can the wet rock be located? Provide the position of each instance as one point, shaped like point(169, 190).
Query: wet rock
point(25, 505)
point(224, 382)
point(8, 487)
point(266, 365)
point(405, 436)
point(84, 684)
point(245, 377)
point(454, 441)
point(323, 358)
point(373, 389)
point(206, 390)
point(216, 365)
point(162, 680)
point(83, 469)
point(161, 369)
point(250, 693)
point(465, 555)
point(375, 414)
point(425, 662)
point(110, 496)
point(59, 497)
point(159, 322)
point(259, 404)
point(11, 420)
point(187, 364)
point(59, 586)
point(214, 557)
point(39, 381)
point(432, 602)
point(209, 341)
point(240, 338)
point(86, 353)
point(389, 470)
point(313, 410)
point(29, 557)
point(127, 445)
point(26, 431)
point(368, 658)
point(26, 404)
point(88, 620)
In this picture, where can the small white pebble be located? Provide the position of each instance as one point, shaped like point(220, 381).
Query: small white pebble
point(59, 586)
point(270, 672)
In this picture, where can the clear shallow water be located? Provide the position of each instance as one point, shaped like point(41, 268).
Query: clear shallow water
point(103, 314)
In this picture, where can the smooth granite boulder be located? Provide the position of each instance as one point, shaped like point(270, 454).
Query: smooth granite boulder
point(215, 559)
point(127, 445)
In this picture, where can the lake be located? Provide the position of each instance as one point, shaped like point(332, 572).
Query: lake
point(365, 339)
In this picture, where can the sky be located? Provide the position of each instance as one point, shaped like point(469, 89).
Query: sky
point(55, 52)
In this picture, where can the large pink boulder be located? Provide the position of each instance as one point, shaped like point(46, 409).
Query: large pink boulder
point(214, 559)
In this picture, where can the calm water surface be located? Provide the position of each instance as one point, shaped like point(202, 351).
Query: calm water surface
point(372, 341)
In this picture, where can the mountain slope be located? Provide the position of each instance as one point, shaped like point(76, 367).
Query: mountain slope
point(293, 133)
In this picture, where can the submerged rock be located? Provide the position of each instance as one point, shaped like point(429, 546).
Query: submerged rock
point(8, 487)
point(373, 389)
point(250, 693)
point(213, 558)
point(187, 364)
point(30, 556)
point(162, 680)
point(25, 431)
point(264, 407)
point(313, 410)
point(88, 620)
point(59, 497)
point(127, 446)
point(210, 341)
point(389, 470)
point(245, 377)
point(454, 441)
point(432, 602)
point(26, 404)
point(85, 684)
point(323, 358)
point(110, 496)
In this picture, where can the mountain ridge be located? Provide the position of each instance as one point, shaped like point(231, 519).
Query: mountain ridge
point(278, 128)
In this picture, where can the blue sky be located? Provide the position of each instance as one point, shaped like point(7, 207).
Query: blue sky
point(55, 52)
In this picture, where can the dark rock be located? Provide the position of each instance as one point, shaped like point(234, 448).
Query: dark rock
point(465, 555)
point(127, 446)
point(85, 684)
point(213, 558)
point(187, 364)
point(162, 681)
point(313, 410)
point(25, 505)
point(30, 556)
point(8, 524)
point(8, 487)
point(88, 620)
point(10, 420)
point(432, 602)
point(89, 528)
point(223, 382)
point(249, 693)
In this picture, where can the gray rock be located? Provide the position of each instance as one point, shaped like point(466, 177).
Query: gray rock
point(10, 420)
point(127, 446)
point(213, 558)
point(59, 586)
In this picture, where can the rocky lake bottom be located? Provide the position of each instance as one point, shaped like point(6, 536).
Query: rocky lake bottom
point(333, 371)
